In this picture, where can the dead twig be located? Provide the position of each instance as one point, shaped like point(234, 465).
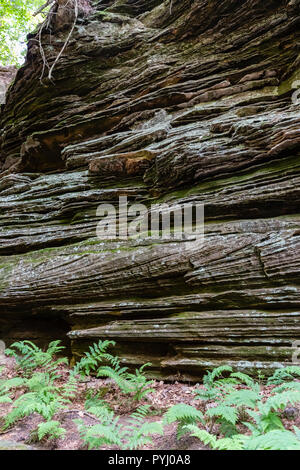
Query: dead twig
point(46, 24)
point(85, 413)
point(45, 62)
point(67, 40)
point(48, 3)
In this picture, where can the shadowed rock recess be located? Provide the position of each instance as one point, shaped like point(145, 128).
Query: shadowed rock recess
point(182, 101)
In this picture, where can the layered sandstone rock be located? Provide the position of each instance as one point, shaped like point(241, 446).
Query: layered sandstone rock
point(162, 102)
point(7, 74)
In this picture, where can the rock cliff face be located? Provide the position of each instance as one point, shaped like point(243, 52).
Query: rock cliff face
point(162, 102)
point(7, 75)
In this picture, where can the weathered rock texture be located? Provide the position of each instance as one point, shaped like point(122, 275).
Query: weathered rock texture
point(163, 102)
point(7, 75)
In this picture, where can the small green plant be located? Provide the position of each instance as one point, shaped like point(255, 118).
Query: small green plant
point(140, 385)
point(41, 397)
point(272, 440)
point(105, 432)
point(139, 432)
point(214, 383)
point(93, 398)
point(284, 374)
point(7, 386)
point(109, 431)
point(92, 359)
point(184, 415)
point(234, 406)
point(29, 357)
point(236, 413)
point(229, 403)
point(129, 383)
point(40, 394)
point(50, 430)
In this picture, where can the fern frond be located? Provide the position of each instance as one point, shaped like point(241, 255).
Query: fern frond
point(224, 413)
point(233, 443)
point(28, 356)
point(91, 360)
point(5, 399)
point(281, 400)
point(140, 435)
point(141, 412)
point(9, 384)
point(295, 386)
point(102, 412)
point(117, 377)
point(202, 435)
point(243, 378)
point(216, 373)
point(281, 375)
point(99, 435)
point(51, 429)
point(273, 440)
point(69, 389)
point(238, 398)
point(181, 412)
point(54, 348)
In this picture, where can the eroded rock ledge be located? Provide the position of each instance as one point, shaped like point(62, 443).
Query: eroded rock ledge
point(7, 74)
point(192, 103)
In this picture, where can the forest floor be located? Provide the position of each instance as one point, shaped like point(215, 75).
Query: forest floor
point(163, 396)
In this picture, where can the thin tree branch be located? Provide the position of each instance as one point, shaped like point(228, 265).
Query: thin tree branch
point(67, 40)
point(45, 62)
point(49, 2)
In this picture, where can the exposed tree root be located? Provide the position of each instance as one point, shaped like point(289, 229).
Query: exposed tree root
point(46, 24)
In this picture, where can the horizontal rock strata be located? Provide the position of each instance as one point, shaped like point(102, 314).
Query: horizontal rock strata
point(162, 102)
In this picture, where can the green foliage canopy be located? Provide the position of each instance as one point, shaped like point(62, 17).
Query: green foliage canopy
point(16, 21)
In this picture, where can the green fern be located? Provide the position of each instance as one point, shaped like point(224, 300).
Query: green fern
point(42, 397)
point(295, 386)
point(244, 379)
point(284, 374)
point(129, 383)
point(223, 413)
point(215, 384)
point(51, 430)
point(234, 443)
point(273, 440)
point(44, 402)
point(94, 398)
point(281, 400)
point(100, 434)
point(134, 435)
point(93, 358)
point(118, 375)
point(242, 398)
point(210, 378)
point(29, 357)
point(136, 384)
point(203, 435)
point(184, 415)
point(138, 433)
point(107, 432)
point(140, 385)
point(7, 386)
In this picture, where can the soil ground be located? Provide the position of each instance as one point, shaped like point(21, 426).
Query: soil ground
point(164, 395)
